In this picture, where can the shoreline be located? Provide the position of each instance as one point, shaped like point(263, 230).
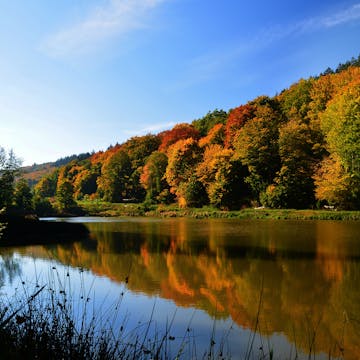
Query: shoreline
point(103, 209)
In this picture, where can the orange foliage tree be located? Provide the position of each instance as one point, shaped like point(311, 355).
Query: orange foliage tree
point(183, 156)
point(223, 177)
point(237, 119)
point(216, 135)
point(178, 132)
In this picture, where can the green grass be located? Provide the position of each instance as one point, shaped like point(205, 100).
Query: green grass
point(211, 212)
point(101, 208)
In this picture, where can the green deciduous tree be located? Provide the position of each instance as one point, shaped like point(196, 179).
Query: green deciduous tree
point(9, 168)
point(65, 196)
point(115, 174)
point(295, 100)
point(46, 187)
point(256, 144)
point(152, 176)
point(206, 123)
point(85, 183)
point(23, 197)
point(183, 156)
point(293, 186)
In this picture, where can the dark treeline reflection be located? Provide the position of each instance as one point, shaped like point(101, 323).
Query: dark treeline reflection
point(309, 270)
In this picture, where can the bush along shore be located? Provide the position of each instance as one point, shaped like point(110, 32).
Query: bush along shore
point(102, 208)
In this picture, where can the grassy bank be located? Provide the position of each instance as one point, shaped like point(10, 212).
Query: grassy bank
point(101, 208)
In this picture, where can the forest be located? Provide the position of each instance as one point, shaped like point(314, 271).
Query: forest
point(298, 149)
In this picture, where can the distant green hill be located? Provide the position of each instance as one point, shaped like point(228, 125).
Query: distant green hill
point(35, 172)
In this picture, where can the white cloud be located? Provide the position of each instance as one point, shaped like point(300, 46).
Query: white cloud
point(158, 127)
point(342, 17)
point(151, 129)
point(115, 18)
point(209, 66)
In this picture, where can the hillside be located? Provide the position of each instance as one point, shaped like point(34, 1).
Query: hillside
point(35, 172)
point(298, 149)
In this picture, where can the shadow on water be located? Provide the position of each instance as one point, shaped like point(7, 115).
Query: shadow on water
point(16, 231)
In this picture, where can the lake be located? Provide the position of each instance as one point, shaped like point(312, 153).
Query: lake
point(291, 287)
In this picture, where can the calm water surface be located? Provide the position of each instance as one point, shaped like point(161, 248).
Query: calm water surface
point(209, 276)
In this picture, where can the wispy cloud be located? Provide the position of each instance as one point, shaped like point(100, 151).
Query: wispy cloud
point(308, 25)
point(211, 65)
point(113, 19)
point(152, 129)
point(342, 17)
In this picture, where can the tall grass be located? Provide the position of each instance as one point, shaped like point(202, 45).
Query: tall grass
point(54, 321)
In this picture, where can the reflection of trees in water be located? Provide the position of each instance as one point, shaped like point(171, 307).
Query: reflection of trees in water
point(9, 269)
point(311, 284)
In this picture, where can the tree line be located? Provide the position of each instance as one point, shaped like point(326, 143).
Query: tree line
point(297, 149)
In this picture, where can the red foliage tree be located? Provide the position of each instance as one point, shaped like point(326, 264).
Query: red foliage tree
point(178, 132)
point(237, 119)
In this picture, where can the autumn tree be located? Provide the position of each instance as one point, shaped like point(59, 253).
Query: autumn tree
point(321, 92)
point(237, 119)
point(333, 183)
point(295, 101)
point(324, 89)
point(65, 196)
point(192, 193)
point(293, 186)
point(85, 183)
point(216, 135)
point(256, 144)
point(341, 125)
point(46, 187)
point(153, 176)
point(183, 156)
point(178, 132)
point(211, 119)
point(139, 148)
point(223, 177)
point(115, 174)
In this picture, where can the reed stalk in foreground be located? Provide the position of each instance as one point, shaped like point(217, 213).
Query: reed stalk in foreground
point(52, 322)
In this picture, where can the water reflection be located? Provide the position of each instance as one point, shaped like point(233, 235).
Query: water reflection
point(9, 269)
point(309, 272)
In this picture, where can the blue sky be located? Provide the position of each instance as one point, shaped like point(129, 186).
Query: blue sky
point(79, 75)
